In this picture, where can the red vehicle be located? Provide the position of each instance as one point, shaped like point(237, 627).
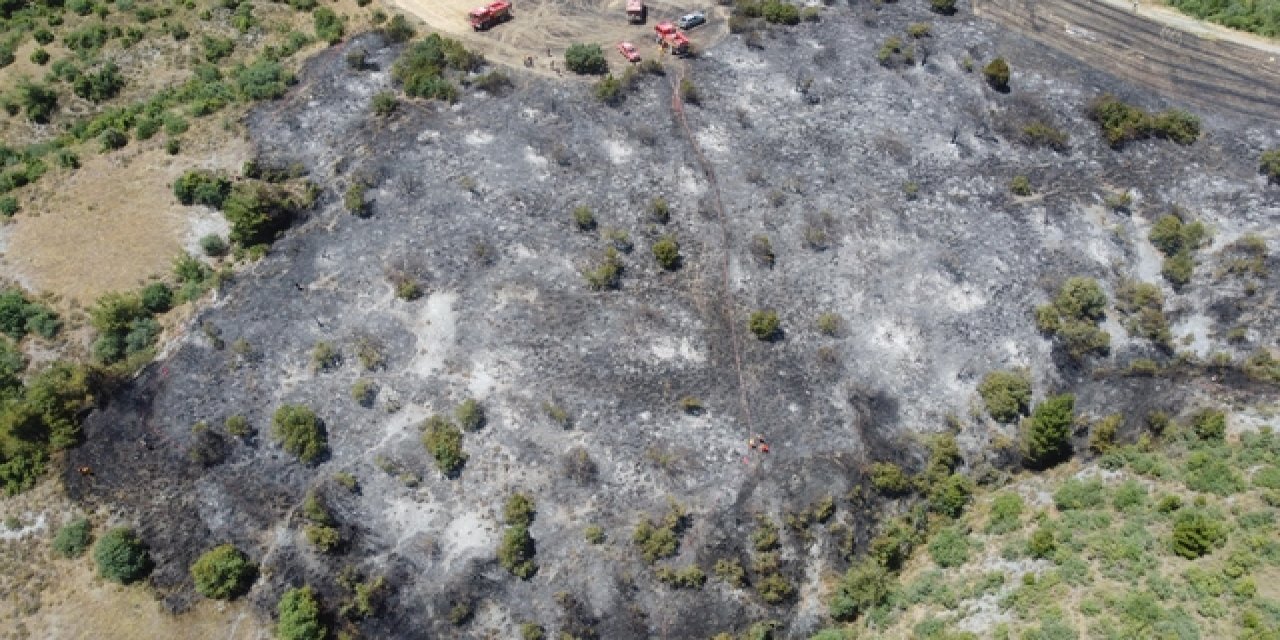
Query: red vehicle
point(629, 51)
point(482, 18)
point(671, 38)
point(636, 11)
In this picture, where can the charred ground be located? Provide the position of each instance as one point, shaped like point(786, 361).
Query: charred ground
point(816, 145)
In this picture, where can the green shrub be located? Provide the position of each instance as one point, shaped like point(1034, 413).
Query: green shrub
point(890, 479)
point(607, 274)
point(354, 199)
point(1196, 533)
point(73, 538)
point(444, 442)
point(583, 218)
point(764, 324)
point(1006, 394)
point(121, 556)
point(1074, 494)
point(779, 12)
point(865, 586)
point(1210, 471)
point(470, 415)
point(1006, 513)
point(363, 391)
point(667, 252)
point(263, 79)
point(384, 103)
point(950, 496)
point(213, 245)
point(945, 7)
point(1020, 186)
point(1122, 123)
point(1131, 495)
point(659, 210)
point(223, 572)
point(1047, 434)
point(327, 25)
point(997, 74)
point(519, 510)
point(20, 316)
point(257, 212)
point(198, 186)
point(38, 101)
point(157, 297)
point(40, 56)
point(690, 577)
point(300, 616)
point(608, 90)
point(585, 59)
point(774, 588)
point(297, 429)
point(9, 206)
point(1209, 425)
point(594, 534)
point(949, 547)
point(516, 552)
point(1269, 164)
point(1042, 543)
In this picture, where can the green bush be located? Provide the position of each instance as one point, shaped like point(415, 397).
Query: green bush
point(667, 252)
point(263, 79)
point(949, 547)
point(470, 415)
point(9, 206)
point(1006, 394)
point(1074, 494)
point(1047, 434)
point(608, 90)
point(1209, 425)
point(327, 24)
point(1131, 495)
point(690, 577)
point(384, 103)
point(73, 538)
point(519, 510)
point(1042, 543)
point(890, 479)
point(583, 218)
point(121, 556)
point(1073, 317)
point(607, 274)
point(1269, 164)
point(444, 442)
point(585, 59)
point(223, 572)
point(300, 616)
point(950, 496)
point(516, 552)
point(997, 74)
point(20, 316)
point(354, 199)
point(1196, 533)
point(297, 429)
point(198, 186)
point(38, 101)
point(398, 29)
point(1020, 186)
point(865, 586)
point(1210, 471)
point(779, 12)
point(1122, 123)
point(157, 297)
point(1006, 513)
point(257, 212)
point(213, 245)
point(764, 324)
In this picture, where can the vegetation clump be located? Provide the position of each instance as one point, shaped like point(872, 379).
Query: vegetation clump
point(667, 252)
point(1196, 533)
point(1142, 305)
point(764, 324)
point(1123, 123)
point(1006, 394)
point(1269, 165)
point(421, 68)
point(443, 441)
point(585, 59)
point(1073, 318)
point(661, 539)
point(1047, 433)
point(223, 572)
point(73, 538)
point(517, 549)
point(297, 429)
point(299, 615)
point(121, 556)
point(997, 74)
point(1178, 240)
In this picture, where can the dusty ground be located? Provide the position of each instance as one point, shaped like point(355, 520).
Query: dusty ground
point(542, 26)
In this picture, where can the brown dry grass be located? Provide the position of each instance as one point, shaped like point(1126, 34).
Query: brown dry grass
point(114, 222)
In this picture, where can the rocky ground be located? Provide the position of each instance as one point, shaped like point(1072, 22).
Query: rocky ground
point(816, 145)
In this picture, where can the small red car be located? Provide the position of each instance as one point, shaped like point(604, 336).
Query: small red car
point(629, 51)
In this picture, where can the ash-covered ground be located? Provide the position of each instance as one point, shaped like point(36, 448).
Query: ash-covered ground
point(815, 145)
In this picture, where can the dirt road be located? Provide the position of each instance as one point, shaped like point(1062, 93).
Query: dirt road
point(543, 29)
point(1204, 65)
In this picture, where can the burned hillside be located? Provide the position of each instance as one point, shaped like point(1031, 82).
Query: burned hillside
point(862, 193)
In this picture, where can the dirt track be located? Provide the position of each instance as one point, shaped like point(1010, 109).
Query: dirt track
point(1207, 68)
point(541, 26)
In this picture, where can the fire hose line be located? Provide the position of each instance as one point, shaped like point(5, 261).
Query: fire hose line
point(677, 107)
